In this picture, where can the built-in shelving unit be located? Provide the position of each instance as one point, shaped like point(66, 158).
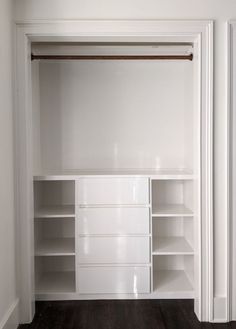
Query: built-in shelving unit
point(172, 237)
point(54, 237)
point(113, 236)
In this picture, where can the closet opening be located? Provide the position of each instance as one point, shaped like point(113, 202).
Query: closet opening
point(116, 169)
point(114, 161)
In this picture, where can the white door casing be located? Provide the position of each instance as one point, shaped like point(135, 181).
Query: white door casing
point(231, 226)
point(198, 32)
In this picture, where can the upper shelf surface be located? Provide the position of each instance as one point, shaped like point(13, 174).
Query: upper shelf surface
point(174, 174)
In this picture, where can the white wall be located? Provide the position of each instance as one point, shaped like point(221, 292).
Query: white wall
point(220, 11)
point(115, 115)
point(7, 216)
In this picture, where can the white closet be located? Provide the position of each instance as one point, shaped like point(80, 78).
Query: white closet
point(116, 172)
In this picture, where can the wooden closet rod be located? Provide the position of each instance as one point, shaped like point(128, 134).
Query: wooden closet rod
point(112, 57)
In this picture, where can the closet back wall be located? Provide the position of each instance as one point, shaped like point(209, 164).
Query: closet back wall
point(113, 114)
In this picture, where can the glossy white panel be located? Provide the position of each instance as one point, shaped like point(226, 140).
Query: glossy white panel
point(125, 191)
point(113, 220)
point(101, 250)
point(100, 280)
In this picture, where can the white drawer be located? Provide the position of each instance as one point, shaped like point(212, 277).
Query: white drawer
point(105, 280)
point(113, 220)
point(113, 250)
point(123, 191)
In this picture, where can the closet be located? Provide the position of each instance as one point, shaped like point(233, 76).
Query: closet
point(116, 157)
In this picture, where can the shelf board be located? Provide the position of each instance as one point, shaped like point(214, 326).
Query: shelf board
point(56, 282)
point(154, 174)
point(171, 210)
point(171, 246)
point(55, 247)
point(171, 281)
point(55, 211)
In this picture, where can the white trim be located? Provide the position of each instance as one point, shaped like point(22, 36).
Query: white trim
point(231, 174)
point(229, 160)
point(11, 318)
point(199, 31)
point(220, 309)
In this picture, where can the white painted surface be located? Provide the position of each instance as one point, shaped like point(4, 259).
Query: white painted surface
point(56, 282)
point(114, 114)
point(179, 9)
point(105, 191)
point(91, 49)
point(171, 281)
point(55, 247)
point(206, 164)
point(232, 172)
point(160, 174)
point(8, 293)
point(171, 210)
point(114, 280)
point(11, 317)
point(59, 211)
point(113, 250)
point(117, 220)
point(220, 309)
point(171, 246)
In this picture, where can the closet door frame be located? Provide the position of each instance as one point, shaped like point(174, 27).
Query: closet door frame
point(199, 32)
point(231, 183)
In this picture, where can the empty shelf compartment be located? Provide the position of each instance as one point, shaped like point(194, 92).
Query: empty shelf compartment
point(171, 246)
point(56, 282)
point(171, 210)
point(55, 211)
point(55, 247)
point(173, 275)
point(55, 274)
point(172, 198)
point(171, 281)
point(54, 199)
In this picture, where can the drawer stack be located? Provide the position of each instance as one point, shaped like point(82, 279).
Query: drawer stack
point(113, 228)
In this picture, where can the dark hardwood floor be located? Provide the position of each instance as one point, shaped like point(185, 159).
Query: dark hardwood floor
point(119, 314)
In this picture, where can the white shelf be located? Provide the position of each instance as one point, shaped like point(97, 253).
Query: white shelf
point(155, 174)
point(171, 210)
point(55, 211)
point(171, 246)
point(171, 281)
point(56, 282)
point(55, 247)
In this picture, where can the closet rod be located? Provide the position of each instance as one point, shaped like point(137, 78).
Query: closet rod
point(112, 57)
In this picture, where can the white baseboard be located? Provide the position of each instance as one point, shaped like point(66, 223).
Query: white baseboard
point(11, 318)
point(220, 310)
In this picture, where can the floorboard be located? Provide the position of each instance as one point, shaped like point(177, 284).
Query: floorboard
point(119, 314)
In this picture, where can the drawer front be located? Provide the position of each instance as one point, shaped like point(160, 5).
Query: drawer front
point(103, 280)
point(101, 191)
point(113, 250)
point(113, 221)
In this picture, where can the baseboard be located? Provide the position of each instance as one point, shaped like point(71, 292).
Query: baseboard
point(220, 310)
point(11, 318)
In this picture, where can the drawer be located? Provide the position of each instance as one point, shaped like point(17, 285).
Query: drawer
point(113, 250)
point(123, 191)
point(103, 280)
point(113, 220)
